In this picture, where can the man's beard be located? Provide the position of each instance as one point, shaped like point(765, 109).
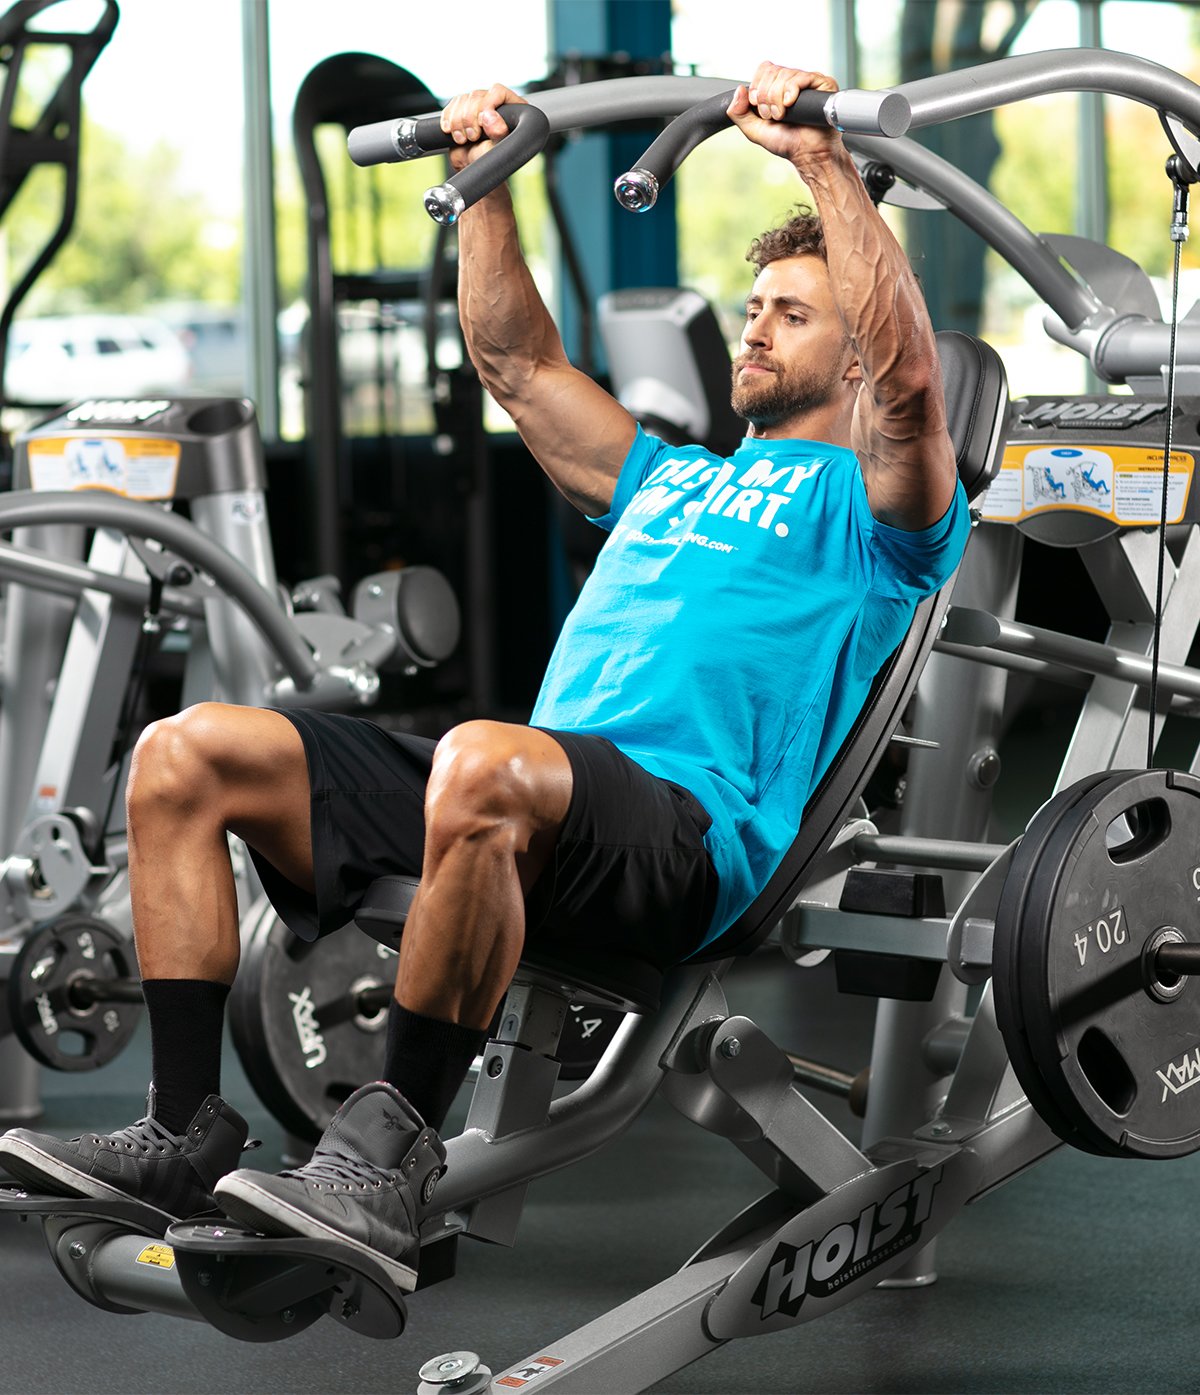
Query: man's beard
point(767, 401)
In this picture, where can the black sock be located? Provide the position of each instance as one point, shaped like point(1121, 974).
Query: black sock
point(427, 1060)
point(186, 1018)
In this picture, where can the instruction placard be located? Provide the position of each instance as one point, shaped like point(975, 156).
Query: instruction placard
point(1120, 483)
point(137, 467)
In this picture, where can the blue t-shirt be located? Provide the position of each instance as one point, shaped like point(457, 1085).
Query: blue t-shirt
point(730, 630)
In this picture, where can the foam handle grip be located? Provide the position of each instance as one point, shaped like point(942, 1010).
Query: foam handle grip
point(877, 113)
point(638, 190)
point(528, 131)
point(411, 138)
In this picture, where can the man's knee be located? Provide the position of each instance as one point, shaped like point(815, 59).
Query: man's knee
point(177, 759)
point(493, 779)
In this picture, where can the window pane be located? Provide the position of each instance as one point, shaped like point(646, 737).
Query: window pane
point(377, 219)
point(160, 208)
point(1037, 179)
point(1141, 198)
point(704, 36)
point(729, 190)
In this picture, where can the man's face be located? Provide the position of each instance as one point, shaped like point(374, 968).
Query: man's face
point(794, 352)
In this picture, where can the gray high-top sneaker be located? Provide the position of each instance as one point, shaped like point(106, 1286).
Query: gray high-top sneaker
point(174, 1172)
point(373, 1171)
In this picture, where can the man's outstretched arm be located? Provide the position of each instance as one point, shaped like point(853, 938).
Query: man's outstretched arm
point(899, 431)
point(579, 434)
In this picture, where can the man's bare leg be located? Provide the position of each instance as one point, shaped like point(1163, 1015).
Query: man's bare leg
point(497, 798)
point(495, 803)
point(210, 770)
point(194, 776)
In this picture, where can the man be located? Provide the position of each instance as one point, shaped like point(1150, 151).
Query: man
point(715, 660)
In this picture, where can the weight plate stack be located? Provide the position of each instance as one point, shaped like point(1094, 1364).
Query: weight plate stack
point(1106, 1049)
point(60, 1029)
point(299, 1023)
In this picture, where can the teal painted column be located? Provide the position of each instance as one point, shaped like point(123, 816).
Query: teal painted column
point(616, 248)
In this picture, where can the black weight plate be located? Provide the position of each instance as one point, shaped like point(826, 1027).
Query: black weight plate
point(1007, 944)
point(1008, 954)
point(55, 1030)
point(301, 1040)
point(1118, 1062)
point(587, 1031)
point(1028, 967)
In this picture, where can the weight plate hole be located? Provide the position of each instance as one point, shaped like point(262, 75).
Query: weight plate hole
point(73, 1044)
point(1137, 831)
point(1106, 1071)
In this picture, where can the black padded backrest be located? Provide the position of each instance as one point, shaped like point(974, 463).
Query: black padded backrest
point(976, 391)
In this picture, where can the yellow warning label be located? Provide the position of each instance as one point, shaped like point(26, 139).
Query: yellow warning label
point(1120, 483)
point(160, 1256)
point(138, 467)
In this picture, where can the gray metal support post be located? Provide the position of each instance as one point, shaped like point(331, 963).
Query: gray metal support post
point(844, 34)
point(1091, 179)
point(258, 266)
point(618, 250)
point(36, 627)
point(239, 523)
point(948, 795)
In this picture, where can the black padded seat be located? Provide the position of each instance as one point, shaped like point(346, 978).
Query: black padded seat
point(976, 389)
point(629, 985)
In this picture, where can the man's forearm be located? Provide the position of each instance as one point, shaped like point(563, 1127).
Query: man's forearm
point(508, 330)
point(874, 289)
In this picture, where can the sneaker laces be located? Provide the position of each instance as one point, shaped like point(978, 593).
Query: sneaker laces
point(146, 1136)
point(340, 1169)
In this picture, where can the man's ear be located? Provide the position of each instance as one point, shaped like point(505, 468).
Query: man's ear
point(853, 373)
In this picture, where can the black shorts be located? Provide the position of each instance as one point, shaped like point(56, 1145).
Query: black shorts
point(630, 874)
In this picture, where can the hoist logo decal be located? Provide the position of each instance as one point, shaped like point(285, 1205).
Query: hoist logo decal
point(847, 1250)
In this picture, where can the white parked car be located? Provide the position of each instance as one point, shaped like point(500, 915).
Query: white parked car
point(60, 357)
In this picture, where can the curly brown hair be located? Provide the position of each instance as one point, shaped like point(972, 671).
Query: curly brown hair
point(800, 236)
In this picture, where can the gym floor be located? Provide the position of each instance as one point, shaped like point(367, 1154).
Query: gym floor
point(1060, 1281)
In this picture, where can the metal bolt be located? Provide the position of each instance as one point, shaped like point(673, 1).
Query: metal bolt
point(452, 1370)
point(983, 769)
point(76, 1250)
point(204, 1279)
point(287, 1316)
point(349, 1309)
point(940, 1130)
point(731, 1047)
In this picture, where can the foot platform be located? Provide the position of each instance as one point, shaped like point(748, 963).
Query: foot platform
point(18, 1200)
point(262, 1289)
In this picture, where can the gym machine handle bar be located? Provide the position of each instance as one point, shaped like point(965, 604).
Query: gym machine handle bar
point(869, 113)
point(877, 113)
point(407, 139)
point(933, 100)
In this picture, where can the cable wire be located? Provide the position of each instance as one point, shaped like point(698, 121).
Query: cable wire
point(1176, 228)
